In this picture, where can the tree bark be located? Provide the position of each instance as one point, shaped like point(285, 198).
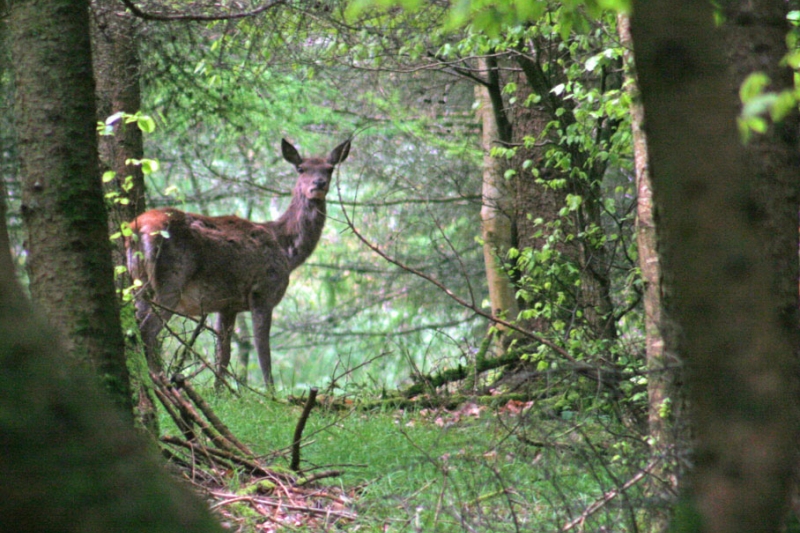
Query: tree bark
point(70, 461)
point(117, 69)
point(537, 219)
point(736, 341)
point(755, 36)
point(496, 212)
point(68, 255)
point(668, 438)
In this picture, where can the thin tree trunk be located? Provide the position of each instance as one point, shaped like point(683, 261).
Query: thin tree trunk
point(69, 260)
point(496, 213)
point(117, 69)
point(737, 345)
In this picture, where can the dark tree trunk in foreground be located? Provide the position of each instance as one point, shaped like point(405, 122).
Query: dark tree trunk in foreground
point(736, 340)
point(69, 259)
point(69, 461)
point(755, 35)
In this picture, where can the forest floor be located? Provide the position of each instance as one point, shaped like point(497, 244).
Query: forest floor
point(512, 466)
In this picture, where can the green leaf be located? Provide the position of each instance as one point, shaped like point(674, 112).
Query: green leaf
point(574, 201)
point(149, 166)
point(108, 176)
point(783, 105)
point(146, 124)
point(592, 62)
point(753, 86)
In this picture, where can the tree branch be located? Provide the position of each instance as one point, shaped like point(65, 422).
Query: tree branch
point(198, 18)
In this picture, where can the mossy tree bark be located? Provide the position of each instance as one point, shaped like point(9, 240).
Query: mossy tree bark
point(736, 341)
point(70, 461)
point(69, 260)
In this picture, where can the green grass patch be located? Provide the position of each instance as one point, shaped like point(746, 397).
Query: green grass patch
point(469, 470)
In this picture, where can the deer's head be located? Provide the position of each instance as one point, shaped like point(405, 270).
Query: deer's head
point(315, 172)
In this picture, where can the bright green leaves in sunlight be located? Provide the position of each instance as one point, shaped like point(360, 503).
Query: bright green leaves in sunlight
point(493, 17)
point(145, 122)
point(758, 103)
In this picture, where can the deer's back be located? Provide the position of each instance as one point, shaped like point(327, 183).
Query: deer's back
point(214, 263)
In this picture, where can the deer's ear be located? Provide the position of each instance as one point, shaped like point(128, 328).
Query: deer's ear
point(339, 153)
point(290, 153)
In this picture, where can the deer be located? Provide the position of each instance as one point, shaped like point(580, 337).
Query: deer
point(195, 265)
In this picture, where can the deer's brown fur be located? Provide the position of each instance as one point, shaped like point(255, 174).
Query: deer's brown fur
point(195, 265)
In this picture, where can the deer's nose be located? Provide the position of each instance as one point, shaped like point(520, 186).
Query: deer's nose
point(320, 183)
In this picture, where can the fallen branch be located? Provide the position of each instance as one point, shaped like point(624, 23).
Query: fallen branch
point(201, 404)
point(198, 18)
point(230, 498)
point(188, 411)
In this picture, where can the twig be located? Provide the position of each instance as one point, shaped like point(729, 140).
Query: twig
point(223, 454)
point(468, 305)
point(320, 475)
point(298, 430)
point(610, 495)
point(301, 508)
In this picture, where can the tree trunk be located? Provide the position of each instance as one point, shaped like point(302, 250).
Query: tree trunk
point(736, 341)
point(117, 69)
point(69, 261)
point(70, 462)
point(538, 220)
point(668, 439)
point(496, 212)
point(755, 37)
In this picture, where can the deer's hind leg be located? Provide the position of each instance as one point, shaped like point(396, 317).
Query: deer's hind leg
point(155, 305)
point(151, 317)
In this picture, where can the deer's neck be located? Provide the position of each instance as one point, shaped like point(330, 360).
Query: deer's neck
point(300, 228)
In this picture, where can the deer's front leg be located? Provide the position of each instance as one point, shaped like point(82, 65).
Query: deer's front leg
point(262, 322)
point(225, 323)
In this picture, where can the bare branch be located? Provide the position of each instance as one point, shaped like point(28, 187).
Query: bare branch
point(199, 18)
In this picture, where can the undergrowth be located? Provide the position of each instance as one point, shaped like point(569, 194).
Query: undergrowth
point(513, 467)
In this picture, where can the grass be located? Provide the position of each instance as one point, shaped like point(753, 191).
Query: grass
point(466, 470)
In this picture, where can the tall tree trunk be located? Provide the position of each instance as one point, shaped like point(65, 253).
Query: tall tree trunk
point(736, 341)
point(755, 36)
point(496, 210)
point(668, 435)
point(70, 462)
point(538, 219)
point(69, 260)
point(117, 69)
